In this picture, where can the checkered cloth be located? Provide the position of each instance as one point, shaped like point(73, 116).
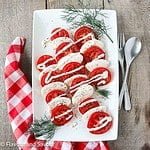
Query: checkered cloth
point(19, 104)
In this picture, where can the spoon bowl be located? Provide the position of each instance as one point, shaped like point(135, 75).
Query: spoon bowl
point(132, 49)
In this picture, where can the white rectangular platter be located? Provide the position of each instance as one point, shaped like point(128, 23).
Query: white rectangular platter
point(46, 20)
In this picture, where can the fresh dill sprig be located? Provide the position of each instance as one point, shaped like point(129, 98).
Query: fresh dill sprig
point(43, 127)
point(104, 92)
point(85, 16)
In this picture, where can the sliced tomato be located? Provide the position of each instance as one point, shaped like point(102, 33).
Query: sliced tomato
point(92, 53)
point(75, 82)
point(52, 94)
point(80, 33)
point(97, 71)
point(72, 49)
point(94, 122)
point(78, 80)
point(61, 46)
point(44, 58)
point(71, 66)
point(88, 106)
point(54, 73)
point(61, 33)
point(59, 110)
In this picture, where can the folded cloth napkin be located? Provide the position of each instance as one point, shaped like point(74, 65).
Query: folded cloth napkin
point(19, 105)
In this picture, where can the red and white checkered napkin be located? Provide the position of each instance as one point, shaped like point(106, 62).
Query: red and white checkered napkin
point(19, 103)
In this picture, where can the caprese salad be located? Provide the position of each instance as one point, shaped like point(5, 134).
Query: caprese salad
point(69, 78)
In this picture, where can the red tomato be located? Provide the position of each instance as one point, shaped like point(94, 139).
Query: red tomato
point(53, 94)
point(80, 33)
point(61, 33)
point(71, 49)
point(78, 80)
point(71, 66)
point(44, 58)
point(100, 70)
point(61, 46)
point(54, 73)
point(92, 53)
point(58, 110)
point(88, 106)
point(94, 122)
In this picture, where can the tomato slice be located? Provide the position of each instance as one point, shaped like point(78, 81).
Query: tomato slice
point(71, 66)
point(54, 73)
point(72, 49)
point(97, 71)
point(89, 105)
point(78, 80)
point(80, 33)
point(60, 110)
point(61, 33)
point(92, 53)
point(94, 122)
point(52, 94)
point(61, 46)
point(43, 59)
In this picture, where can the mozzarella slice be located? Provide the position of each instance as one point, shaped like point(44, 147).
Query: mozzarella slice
point(52, 86)
point(84, 91)
point(87, 115)
point(97, 63)
point(72, 57)
point(59, 101)
point(90, 43)
point(69, 80)
point(55, 43)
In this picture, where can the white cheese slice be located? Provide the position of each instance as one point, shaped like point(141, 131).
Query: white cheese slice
point(59, 101)
point(90, 43)
point(97, 63)
point(84, 91)
point(52, 86)
point(87, 115)
point(72, 57)
point(55, 43)
point(68, 81)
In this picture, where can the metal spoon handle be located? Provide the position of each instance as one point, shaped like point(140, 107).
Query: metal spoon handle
point(127, 99)
point(123, 88)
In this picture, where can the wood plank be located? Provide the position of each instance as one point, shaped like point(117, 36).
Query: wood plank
point(62, 4)
point(15, 20)
point(134, 128)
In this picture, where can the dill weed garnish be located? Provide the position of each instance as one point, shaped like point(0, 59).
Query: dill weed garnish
point(43, 127)
point(104, 92)
point(85, 16)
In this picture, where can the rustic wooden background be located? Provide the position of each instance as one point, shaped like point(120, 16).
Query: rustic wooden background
point(133, 19)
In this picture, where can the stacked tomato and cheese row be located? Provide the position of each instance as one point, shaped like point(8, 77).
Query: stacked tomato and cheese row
point(78, 61)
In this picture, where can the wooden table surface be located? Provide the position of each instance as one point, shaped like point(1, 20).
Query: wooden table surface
point(133, 19)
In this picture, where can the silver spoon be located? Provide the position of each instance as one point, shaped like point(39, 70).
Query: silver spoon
point(131, 50)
